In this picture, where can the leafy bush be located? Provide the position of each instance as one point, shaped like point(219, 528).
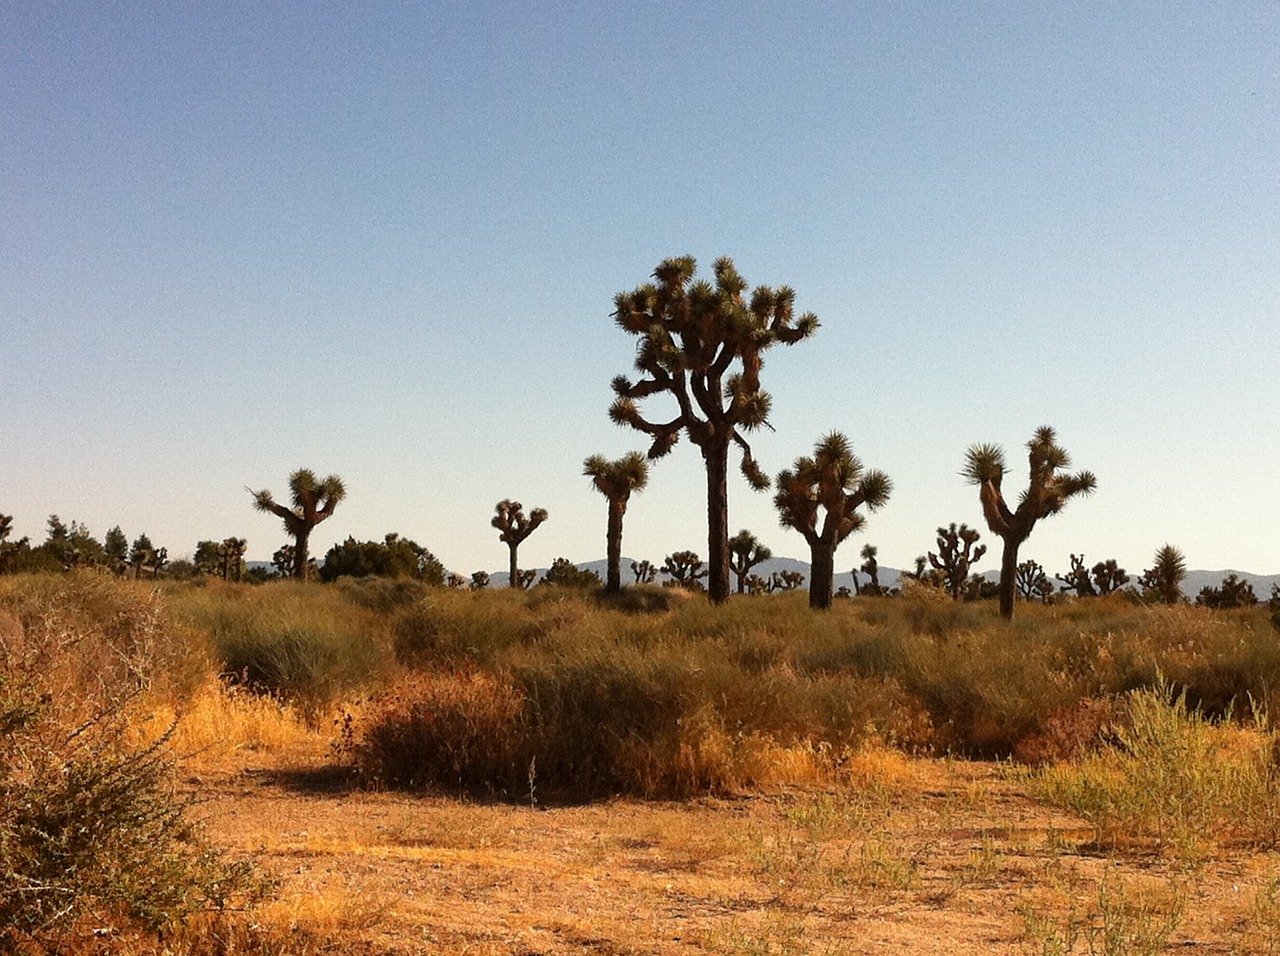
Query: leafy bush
point(90, 822)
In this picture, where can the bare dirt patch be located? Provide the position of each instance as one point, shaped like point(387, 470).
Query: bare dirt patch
point(910, 856)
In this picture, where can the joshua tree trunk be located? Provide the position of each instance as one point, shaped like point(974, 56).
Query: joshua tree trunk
point(514, 571)
point(822, 565)
point(1008, 575)
point(617, 508)
point(301, 550)
point(716, 455)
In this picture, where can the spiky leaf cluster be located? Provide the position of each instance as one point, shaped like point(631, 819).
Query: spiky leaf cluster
point(832, 479)
point(1047, 491)
point(513, 524)
point(616, 479)
point(703, 343)
point(313, 501)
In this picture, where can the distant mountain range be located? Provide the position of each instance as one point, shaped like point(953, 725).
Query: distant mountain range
point(892, 577)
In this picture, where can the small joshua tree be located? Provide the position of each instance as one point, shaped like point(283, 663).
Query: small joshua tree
point(479, 580)
point(1046, 494)
point(1078, 578)
point(1164, 579)
point(956, 554)
point(871, 568)
point(313, 501)
point(645, 571)
point(1033, 582)
point(616, 480)
point(834, 481)
point(685, 569)
point(1232, 592)
point(745, 552)
point(704, 344)
point(513, 527)
point(786, 581)
point(1109, 576)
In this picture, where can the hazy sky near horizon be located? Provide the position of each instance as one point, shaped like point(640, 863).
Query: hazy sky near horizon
point(382, 240)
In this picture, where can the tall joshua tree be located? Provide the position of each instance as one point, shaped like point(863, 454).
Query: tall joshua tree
point(703, 344)
point(833, 480)
point(1046, 494)
point(513, 527)
point(616, 480)
point(313, 502)
point(746, 552)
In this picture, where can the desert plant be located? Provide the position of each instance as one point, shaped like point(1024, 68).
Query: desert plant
point(1078, 578)
point(834, 481)
point(1032, 582)
point(1232, 592)
point(564, 573)
point(685, 569)
point(513, 527)
point(313, 501)
point(1163, 580)
point(786, 581)
point(479, 580)
point(1046, 494)
point(1109, 576)
point(393, 557)
point(616, 480)
point(692, 335)
point(956, 554)
point(745, 552)
point(871, 568)
point(645, 571)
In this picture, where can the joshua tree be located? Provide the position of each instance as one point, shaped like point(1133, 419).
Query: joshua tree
point(704, 345)
point(685, 569)
point(283, 561)
point(956, 554)
point(141, 554)
point(616, 480)
point(745, 552)
point(871, 568)
point(513, 527)
point(757, 585)
point(455, 581)
point(1032, 582)
point(1109, 576)
point(525, 578)
point(232, 553)
point(1164, 579)
point(1232, 592)
point(479, 580)
point(1078, 579)
point(116, 548)
point(313, 502)
point(786, 581)
point(1047, 494)
point(833, 480)
point(645, 571)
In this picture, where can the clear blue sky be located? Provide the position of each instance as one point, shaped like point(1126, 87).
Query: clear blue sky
point(382, 240)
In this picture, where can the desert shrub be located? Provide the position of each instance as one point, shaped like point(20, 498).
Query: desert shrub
point(91, 823)
point(1170, 778)
point(303, 643)
point(641, 599)
point(383, 594)
point(449, 730)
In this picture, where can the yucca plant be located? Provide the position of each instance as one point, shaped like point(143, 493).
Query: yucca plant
point(834, 481)
point(313, 501)
point(956, 554)
point(616, 480)
point(1164, 578)
point(513, 527)
point(1046, 494)
point(704, 345)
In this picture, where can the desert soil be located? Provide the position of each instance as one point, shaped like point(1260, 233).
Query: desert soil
point(912, 856)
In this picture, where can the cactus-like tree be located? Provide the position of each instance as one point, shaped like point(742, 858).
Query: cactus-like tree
point(1078, 578)
point(786, 581)
point(1232, 592)
point(956, 554)
point(513, 527)
point(1108, 576)
point(685, 569)
point(313, 501)
point(1032, 582)
point(1164, 578)
point(1047, 493)
point(870, 566)
point(233, 550)
point(834, 483)
point(616, 480)
point(645, 571)
point(703, 344)
point(745, 552)
point(479, 580)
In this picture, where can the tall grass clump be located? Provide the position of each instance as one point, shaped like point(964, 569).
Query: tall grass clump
point(303, 643)
point(1169, 778)
point(91, 823)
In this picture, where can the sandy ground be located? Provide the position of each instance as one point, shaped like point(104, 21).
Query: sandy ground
point(924, 857)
